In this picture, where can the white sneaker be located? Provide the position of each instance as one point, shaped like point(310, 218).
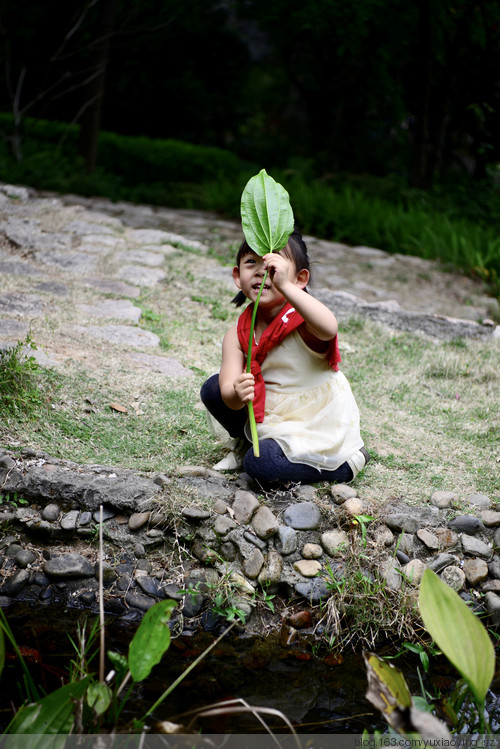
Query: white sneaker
point(231, 462)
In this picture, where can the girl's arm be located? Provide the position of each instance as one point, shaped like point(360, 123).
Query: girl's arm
point(236, 386)
point(320, 321)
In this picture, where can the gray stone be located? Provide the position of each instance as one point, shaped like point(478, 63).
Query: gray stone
point(195, 512)
point(442, 561)
point(141, 257)
point(303, 516)
point(446, 537)
point(68, 521)
point(286, 540)
point(84, 519)
point(229, 551)
point(139, 601)
point(475, 547)
point(476, 570)
point(406, 543)
point(466, 524)
point(220, 507)
point(139, 551)
point(443, 499)
point(402, 557)
point(305, 492)
point(383, 536)
point(253, 565)
point(311, 551)
point(147, 585)
point(25, 305)
point(496, 539)
point(481, 501)
point(414, 570)
point(68, 566)
point(307, 567)
point(25, 557)
point(270, 574)
point(491, 586)
point(120, 309)
point(314, 590)
point(203, 553)
point(113, 287)
point(341, 492)
point(107, 514)
point(492, 601)
point(119, 335)
point(138, 520)
point(255, 540)
point(454, 577)
point(15, 584)
point(265, 523)
point(223, 525)
point(335, 542)
point(390, 572)
point(6, 463)
point(141, 275)
point(244, 506)
point(409, 519)
point(494, 567)
point(428, 538)
point(490, 518)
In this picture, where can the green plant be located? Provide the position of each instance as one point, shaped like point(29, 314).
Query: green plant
point(15, 500)
point(267, 222)
point(363, 521)
point(19, 390)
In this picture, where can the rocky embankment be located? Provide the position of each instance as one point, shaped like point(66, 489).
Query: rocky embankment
point(232, 538)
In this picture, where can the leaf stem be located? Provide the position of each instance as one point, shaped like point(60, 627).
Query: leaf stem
point(251, 415)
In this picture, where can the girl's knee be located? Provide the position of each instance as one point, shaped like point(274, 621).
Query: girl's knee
point(210, 390)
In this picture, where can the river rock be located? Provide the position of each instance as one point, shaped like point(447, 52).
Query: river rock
point(51, 512)
point(390, 573)
point(490, 518)
point(140, 601)
point(265, 523)
point(68, 520)
point(428, 539)
point(442, 561)
point(311, 551)
point(414, 571)
point(475, 547)
point(466, 524)
point(335, 542)
point(24, 558)
point(341, 492)
point(223, 525)
point(270, 575)
point(147, 585)
point(494, 567)
point(354, 506)
point(195, 513)
point(68, 566)
point(383, 536)
point(303, 516)
point(314, 590)
point(481, 501)
point(492, 601)
point(443, 499)
point(476, 570)
point(253, 564)
point(15, 584)
point(454, 577)
point(286, 540)
point(138, 520)
point(244, 506)
point(409, 519)
point(307, 567)
point(446, 537)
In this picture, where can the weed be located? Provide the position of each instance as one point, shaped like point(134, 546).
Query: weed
point(19, 390)
point(15, 500)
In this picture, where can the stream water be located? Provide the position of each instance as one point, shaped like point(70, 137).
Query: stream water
point(318, 692)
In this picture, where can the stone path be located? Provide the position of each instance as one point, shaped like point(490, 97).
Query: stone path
point(78, 264)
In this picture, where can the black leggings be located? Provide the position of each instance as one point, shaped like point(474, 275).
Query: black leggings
point(272, 467)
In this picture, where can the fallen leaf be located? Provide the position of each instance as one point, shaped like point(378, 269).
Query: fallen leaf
point(118, 407)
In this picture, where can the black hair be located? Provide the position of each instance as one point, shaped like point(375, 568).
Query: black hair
point(295, 249)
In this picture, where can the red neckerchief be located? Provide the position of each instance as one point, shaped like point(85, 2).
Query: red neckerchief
point(284, 323)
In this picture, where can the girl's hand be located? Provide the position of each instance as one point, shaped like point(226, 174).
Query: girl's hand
point(281, 269)
point(244, 387)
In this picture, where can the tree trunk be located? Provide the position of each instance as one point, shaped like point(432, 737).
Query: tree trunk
point(94, 92)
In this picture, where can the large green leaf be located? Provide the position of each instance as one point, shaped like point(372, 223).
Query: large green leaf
point(151, 640)
point(266, 214)
point(53, 714)
point(458, 633)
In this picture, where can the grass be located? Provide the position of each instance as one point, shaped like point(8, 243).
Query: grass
point(429, 411)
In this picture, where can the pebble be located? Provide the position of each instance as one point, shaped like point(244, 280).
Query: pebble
point(270, 574)
point(68, 521)
point(25, 557)
point(476, 570)
point(475, 547)
point(303, 516)
point(15, 584)
point(428, 538)
point(139, 551)
point(443, 499)
point(490, 518)
point(314, 590)
point(311, 551)
point(354, 506)
point(341, 492)
point(51, 512)
point(389, 571)
point(442, 561)
point(301, 620)
point(383, 536)
point(414, 570)
point(138, 601)
point(307, 567)
point(446, 537)
point(466, 524)
point(335, 542)
point(480, 501)
point(454, 577)
point(253, 564)
point(137, 520)
point(244, 506)
point(286, 540)
point(147, 585)
point(223, 525)
point(492, 601)
point(68, 566)
point(255, 540)
point(265, 523)
point(195, 513)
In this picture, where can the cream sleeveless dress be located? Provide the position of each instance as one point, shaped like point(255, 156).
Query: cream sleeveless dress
point(310, 409)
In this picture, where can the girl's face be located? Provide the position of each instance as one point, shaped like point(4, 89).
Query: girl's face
point(248, 277)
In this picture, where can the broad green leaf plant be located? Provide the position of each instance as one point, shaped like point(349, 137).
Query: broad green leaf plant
point(267, 222)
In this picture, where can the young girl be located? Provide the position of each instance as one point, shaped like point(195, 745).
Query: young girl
point(307, 418)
